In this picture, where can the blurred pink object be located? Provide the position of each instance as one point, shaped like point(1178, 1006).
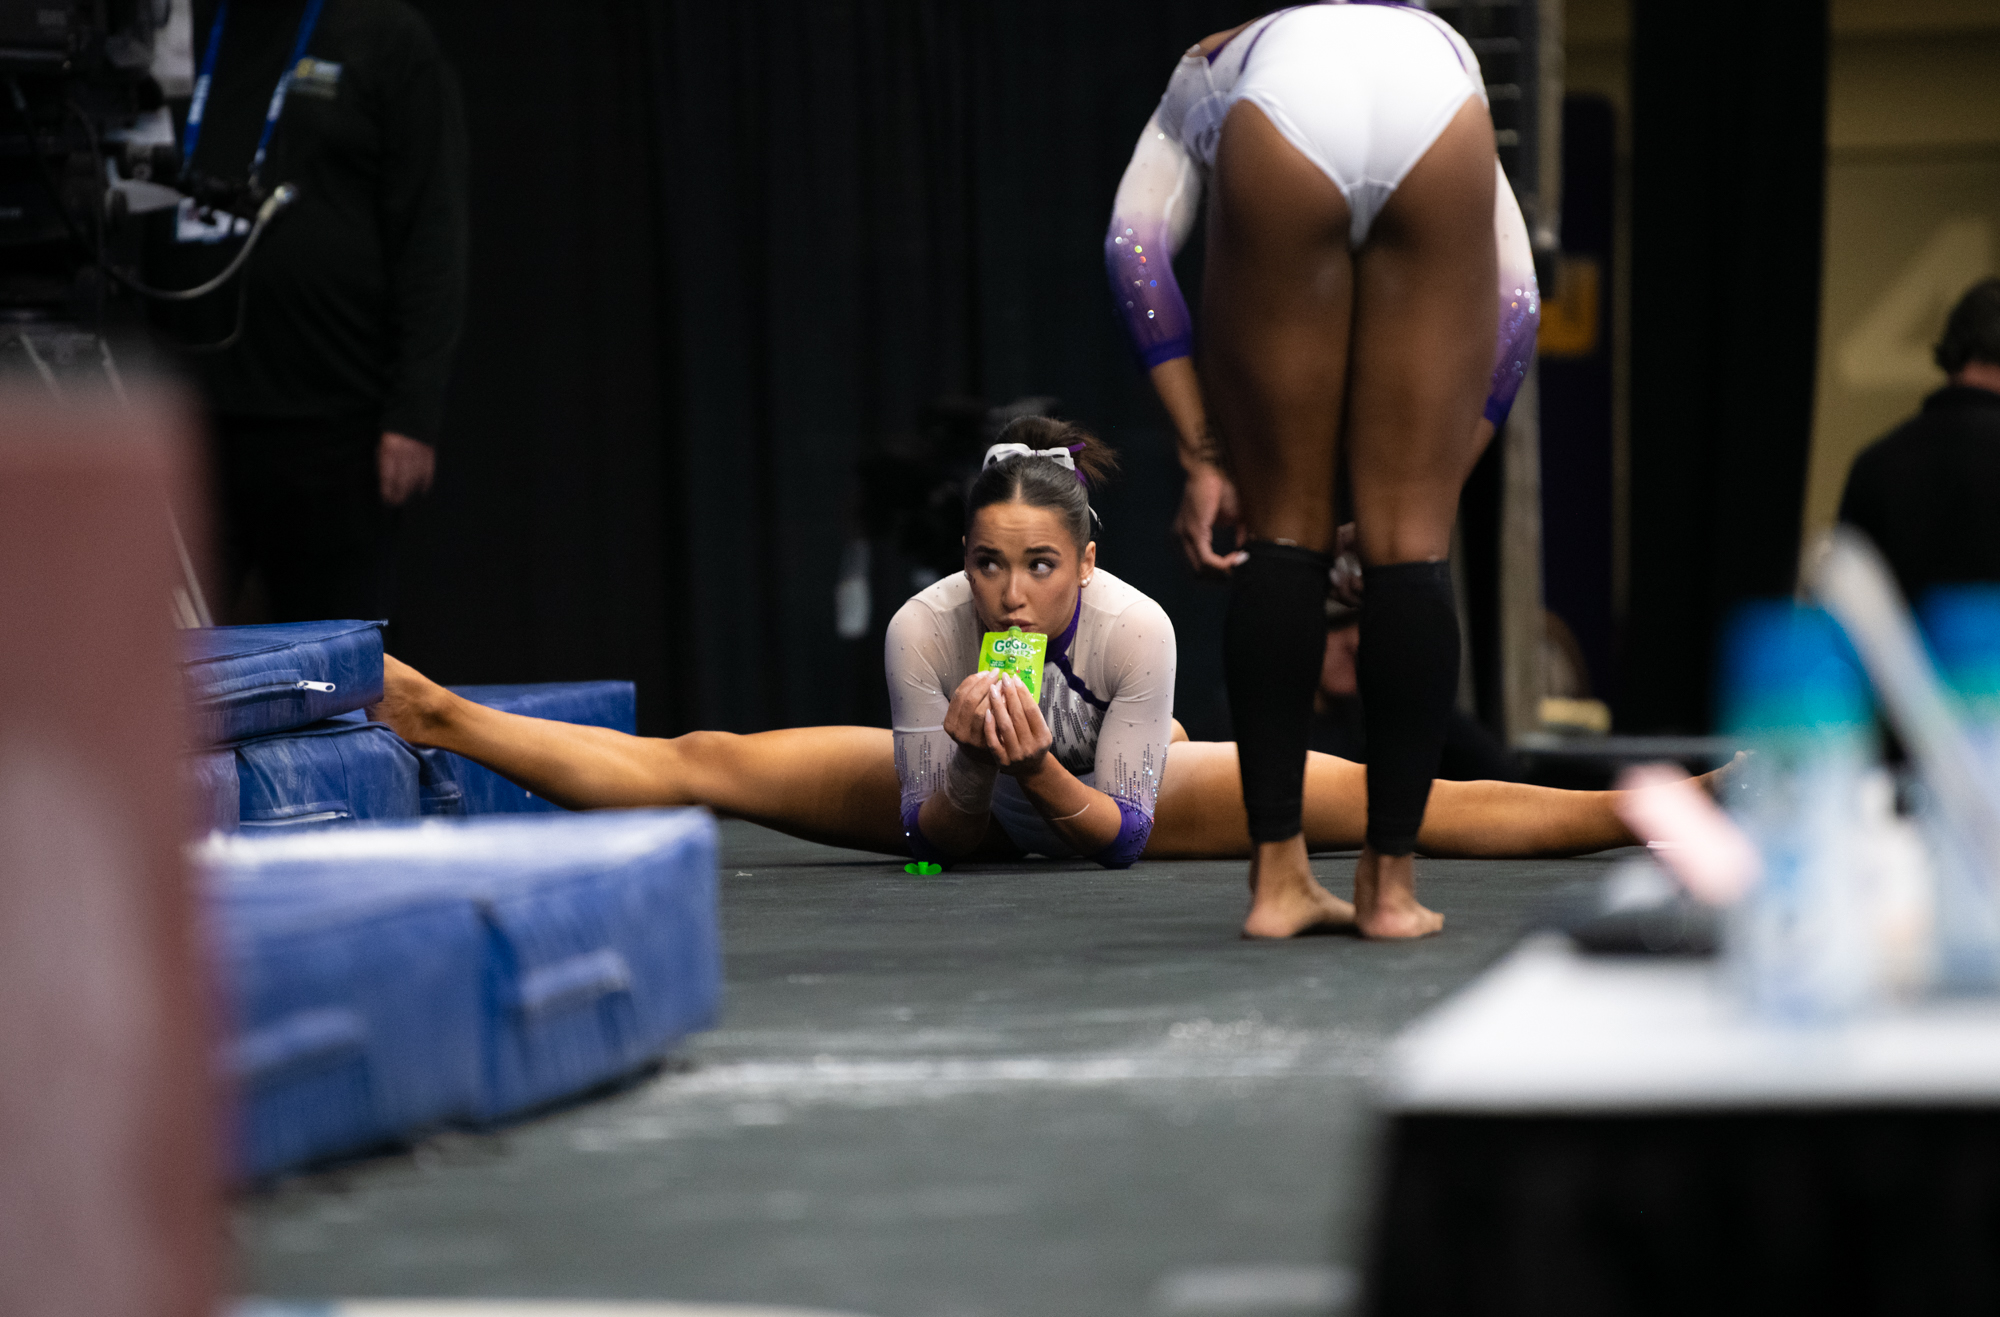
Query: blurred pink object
point(111, 1200)
point(1688, 833)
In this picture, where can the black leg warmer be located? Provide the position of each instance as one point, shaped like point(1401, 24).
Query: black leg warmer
point(1408, 670)
point(1273, 645)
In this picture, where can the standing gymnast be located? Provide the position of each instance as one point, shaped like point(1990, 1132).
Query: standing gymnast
point(1096, 768)
point(1358, 226)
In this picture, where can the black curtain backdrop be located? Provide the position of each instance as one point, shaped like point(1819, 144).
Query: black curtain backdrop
point(719, 252)
point(1728, 184)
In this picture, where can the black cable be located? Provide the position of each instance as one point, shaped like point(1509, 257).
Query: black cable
point(280, 198)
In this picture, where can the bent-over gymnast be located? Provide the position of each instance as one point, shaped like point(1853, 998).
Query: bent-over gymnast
point(976, 769)
point(1358, 224)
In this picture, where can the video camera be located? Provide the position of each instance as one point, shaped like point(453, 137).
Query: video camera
point(85, 142)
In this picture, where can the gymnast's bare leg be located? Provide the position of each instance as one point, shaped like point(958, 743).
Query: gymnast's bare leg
point(828, 784)
point(1394, 339)
point(838, 785)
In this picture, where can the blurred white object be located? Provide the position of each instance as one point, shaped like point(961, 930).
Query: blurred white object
point(1800, 946)
point(1550, 1030)
point(510, 1308)
point(1688, 833)
point(1900, 882)
point(1963, 818)
point(851, 600)
point(1267, 1288)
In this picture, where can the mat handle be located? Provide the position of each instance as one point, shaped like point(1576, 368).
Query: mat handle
point(573, 982)
point(318, 1037)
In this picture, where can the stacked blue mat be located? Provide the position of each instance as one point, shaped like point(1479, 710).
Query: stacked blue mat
point(389, 976)
point(279, 709)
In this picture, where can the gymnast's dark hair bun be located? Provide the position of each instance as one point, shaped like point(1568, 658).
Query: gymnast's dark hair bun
point(1043, 482)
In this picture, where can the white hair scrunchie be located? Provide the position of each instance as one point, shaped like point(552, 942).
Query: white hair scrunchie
point(1062, 457)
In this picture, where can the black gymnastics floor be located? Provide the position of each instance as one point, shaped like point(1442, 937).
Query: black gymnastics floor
point(1031, 1090)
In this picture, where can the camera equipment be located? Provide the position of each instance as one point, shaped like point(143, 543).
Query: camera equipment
point(81, 121)
point(86, 144)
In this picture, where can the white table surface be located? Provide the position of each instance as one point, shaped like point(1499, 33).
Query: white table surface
point(1549, 1031)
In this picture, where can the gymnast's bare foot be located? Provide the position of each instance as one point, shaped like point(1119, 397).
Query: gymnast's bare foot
point(1285, 899)
point(1717, 781)
point(412, 704)
point(1385, 898)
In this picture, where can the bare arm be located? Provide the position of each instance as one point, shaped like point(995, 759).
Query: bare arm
point(1083, 816)
point(996, 729)
point(954, 817)
point(1209, 498)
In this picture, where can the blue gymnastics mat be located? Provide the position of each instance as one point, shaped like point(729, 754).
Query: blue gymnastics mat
point(342, 770)
point(215, 798)
point(455, 785)
point(247, 681)
point(354, 1004)
point(596, 950)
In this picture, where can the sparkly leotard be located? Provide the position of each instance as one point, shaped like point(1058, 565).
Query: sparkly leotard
point(1107, 697)
point(1362, 90)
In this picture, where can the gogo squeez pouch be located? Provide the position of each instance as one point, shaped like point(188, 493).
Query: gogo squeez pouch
point(1016, 651)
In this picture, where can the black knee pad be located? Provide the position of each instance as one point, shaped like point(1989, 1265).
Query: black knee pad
point(1408, 671)
point(1273, 645)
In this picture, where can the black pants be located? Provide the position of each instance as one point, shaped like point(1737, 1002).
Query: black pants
point(301, 510)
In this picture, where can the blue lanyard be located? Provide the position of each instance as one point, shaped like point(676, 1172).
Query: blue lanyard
point(199, 105)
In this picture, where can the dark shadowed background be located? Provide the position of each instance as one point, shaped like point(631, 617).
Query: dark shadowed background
point(722, 252)
point(719, 253)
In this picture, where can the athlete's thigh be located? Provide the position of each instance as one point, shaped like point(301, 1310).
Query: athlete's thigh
point(1199, 811)
point(1199, 814)
point(835, 785)
point(1424, 316)
point(1277, 303)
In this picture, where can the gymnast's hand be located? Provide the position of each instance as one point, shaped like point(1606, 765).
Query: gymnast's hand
point(1208, 502)
point(1016, 736)
point(406, 467)
point(965, 717)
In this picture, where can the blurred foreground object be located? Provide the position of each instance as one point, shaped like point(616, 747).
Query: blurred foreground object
point(1963, 814)
point(1798, 941)
point(1594, 1134)
point(109, 1198)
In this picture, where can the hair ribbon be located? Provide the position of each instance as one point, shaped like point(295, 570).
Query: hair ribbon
point(1062, 457)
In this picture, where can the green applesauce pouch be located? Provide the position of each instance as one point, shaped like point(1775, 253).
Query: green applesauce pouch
point(1016, 651)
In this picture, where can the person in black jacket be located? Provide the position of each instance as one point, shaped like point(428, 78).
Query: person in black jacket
point(324, 363)
point(1928, 493)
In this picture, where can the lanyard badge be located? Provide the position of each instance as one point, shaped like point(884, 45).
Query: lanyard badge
point(204, 81)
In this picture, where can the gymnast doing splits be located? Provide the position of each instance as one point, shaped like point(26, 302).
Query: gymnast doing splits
point(1358, 226)
point(974, 768)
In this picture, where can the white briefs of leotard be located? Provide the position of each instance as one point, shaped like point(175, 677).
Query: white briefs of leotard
point(1362, 90)
point(1107, 697)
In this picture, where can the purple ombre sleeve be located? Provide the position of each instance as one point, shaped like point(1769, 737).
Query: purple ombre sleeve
point(920, 845)
point(1520, 302)
point(1140, 656)
point(1135, 826)
point(1150, 219)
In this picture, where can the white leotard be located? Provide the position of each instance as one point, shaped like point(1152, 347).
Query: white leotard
point(1362, 90)
point(1107, 697)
